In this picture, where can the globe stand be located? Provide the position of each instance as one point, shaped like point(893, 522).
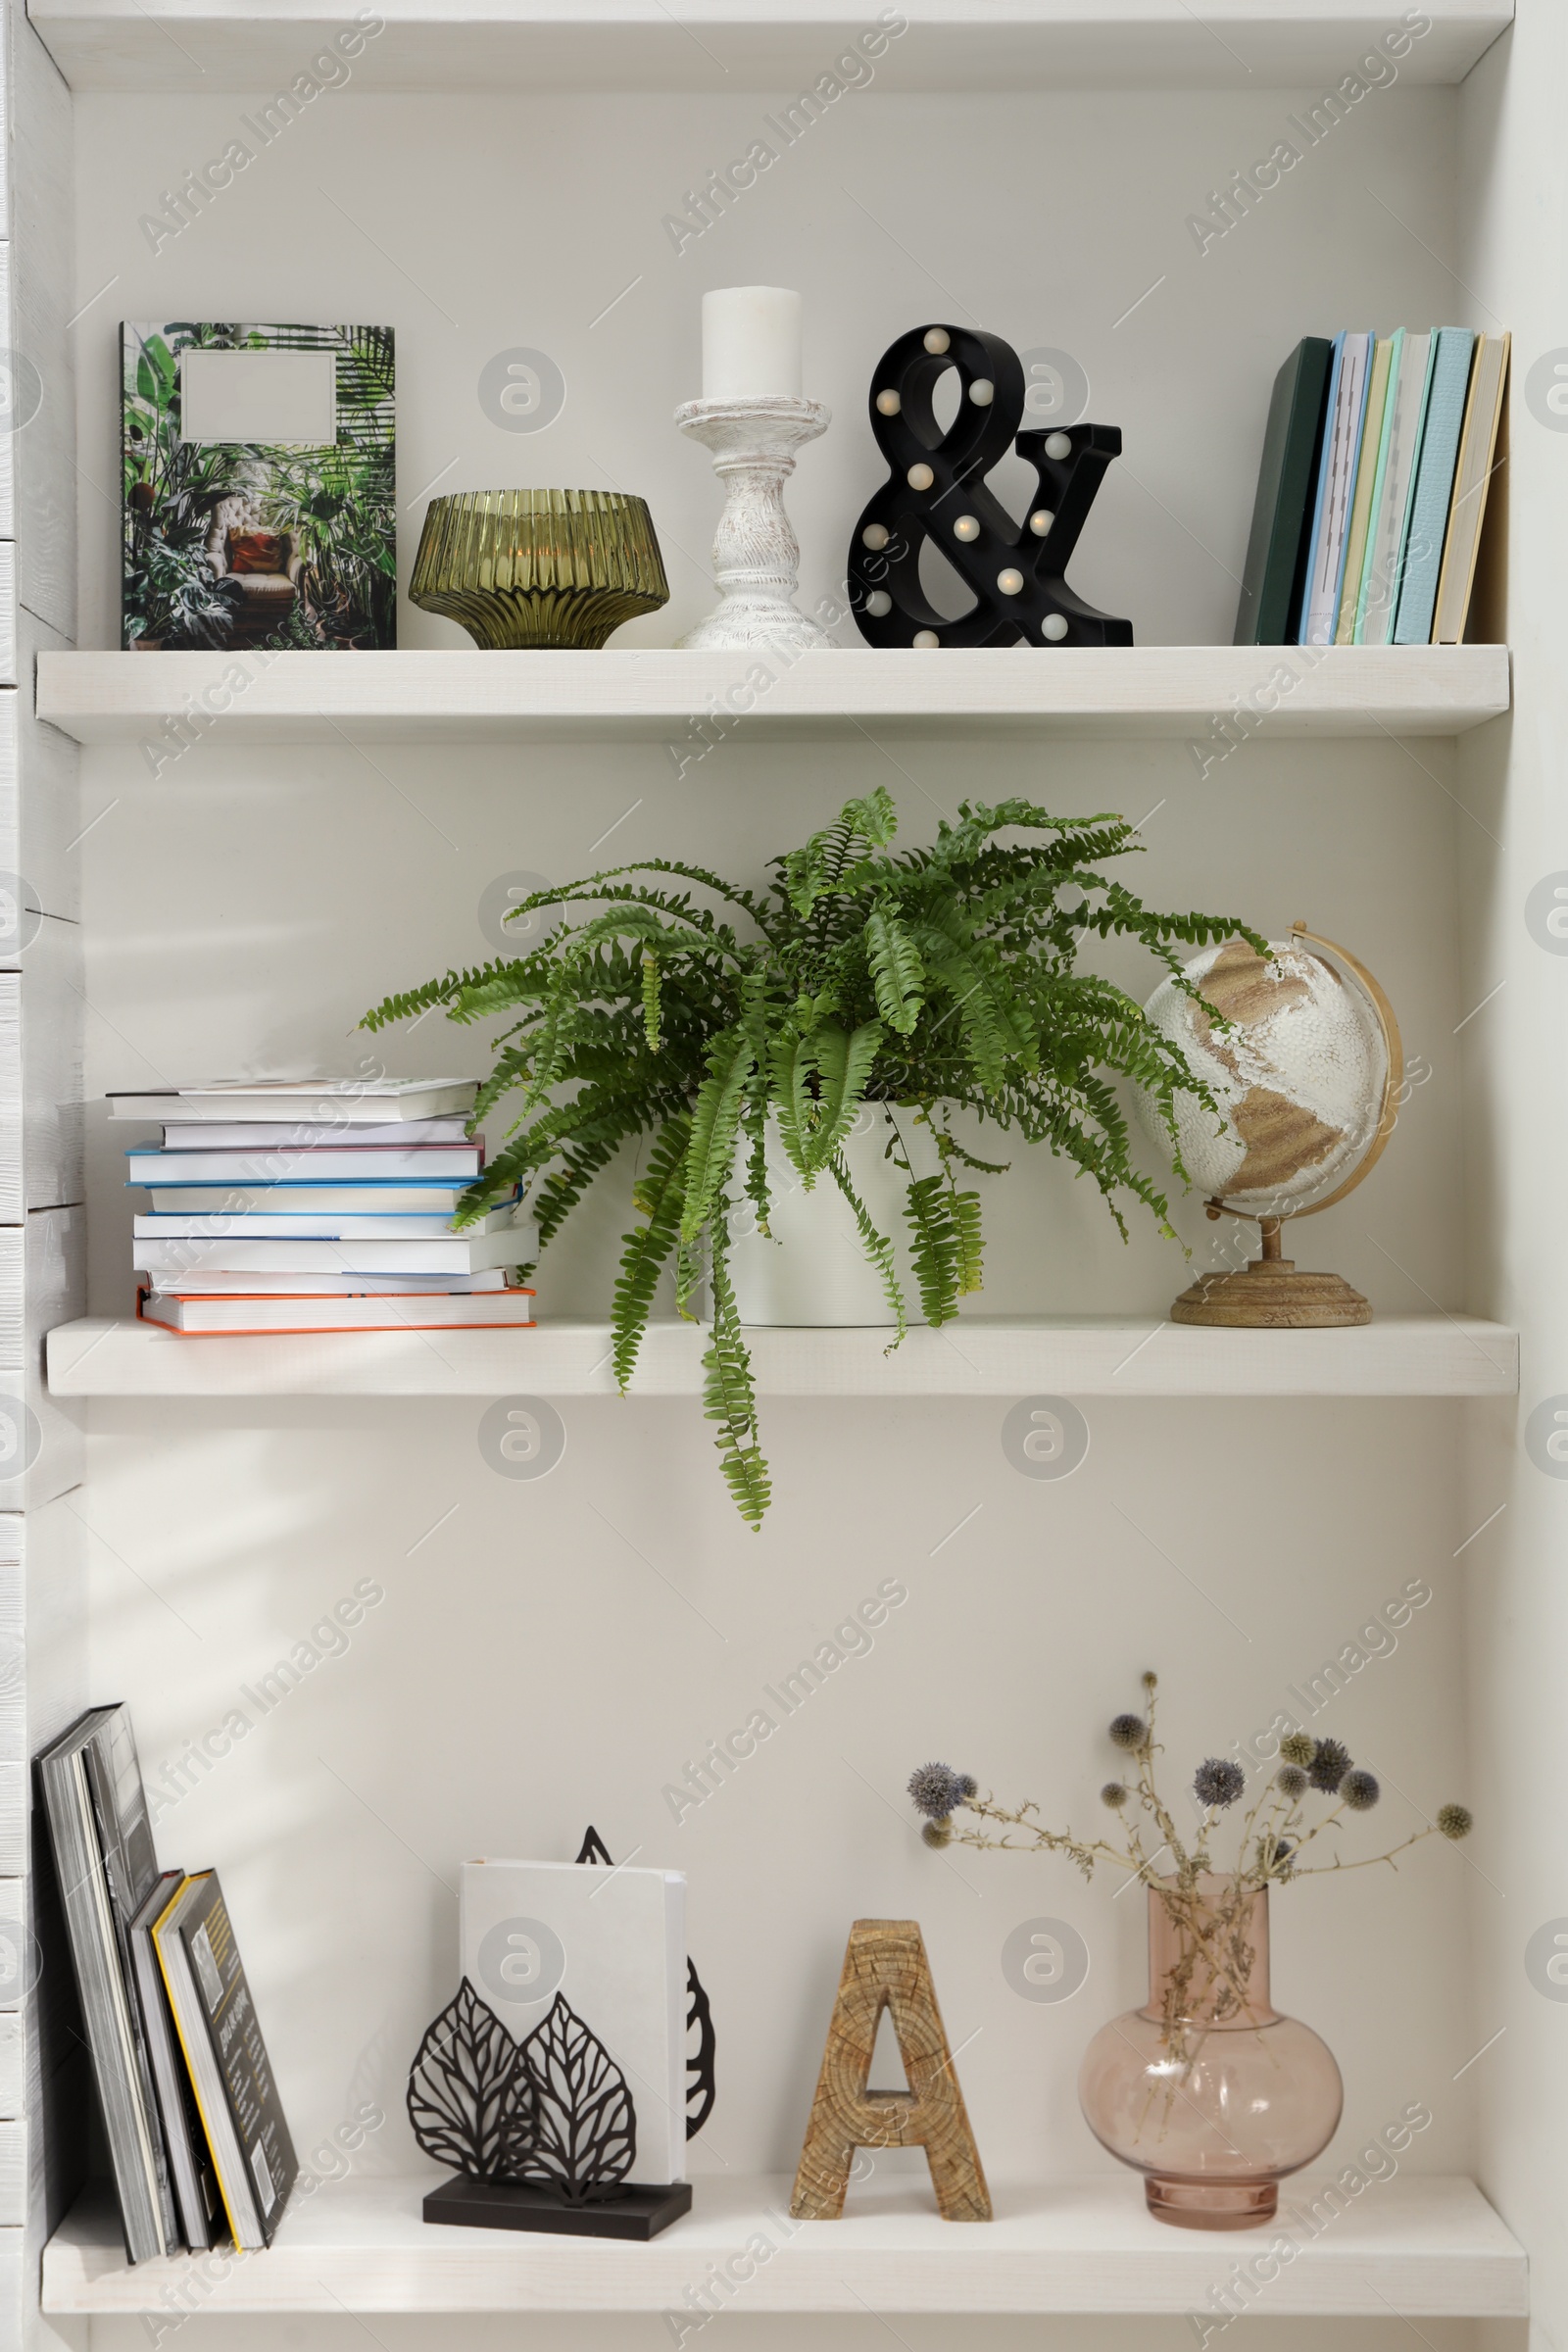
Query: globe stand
point(1270, 1294)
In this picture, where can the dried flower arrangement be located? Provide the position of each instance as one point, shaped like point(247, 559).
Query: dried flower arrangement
point(1208, 1905)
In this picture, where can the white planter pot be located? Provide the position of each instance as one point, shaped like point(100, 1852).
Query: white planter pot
point(815, 1270)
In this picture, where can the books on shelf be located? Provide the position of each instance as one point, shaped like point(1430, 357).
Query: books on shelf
point(1433, 492)
point(323, 1163)
point(1276, 553)
point(1372, 490)
point(267, 1135)
point(215, 2018)
point(613, 1943)
point(1367, 464)
point(214, 1281)
point(194, 2129)
point(1336, 480)
point(380, 1197)
point(107, 1867)
point(1406, 416)
point(319, 1102)
point(295, 1218)
point(323, 1225)
point(1477, 462)
point(238, 1315)
point(447, 1253)
point(196, 2189)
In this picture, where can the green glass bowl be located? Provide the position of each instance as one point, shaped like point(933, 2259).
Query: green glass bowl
point(539, 567)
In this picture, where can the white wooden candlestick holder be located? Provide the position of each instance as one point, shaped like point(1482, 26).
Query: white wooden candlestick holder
point(756, 554)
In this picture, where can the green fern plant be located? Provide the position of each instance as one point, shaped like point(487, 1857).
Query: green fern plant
point(940, 980)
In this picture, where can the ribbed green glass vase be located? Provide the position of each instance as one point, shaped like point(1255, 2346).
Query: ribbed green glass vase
point(539, 567)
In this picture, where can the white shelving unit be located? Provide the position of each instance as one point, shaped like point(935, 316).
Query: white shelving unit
point(660, 695)
point(443, 136)
point(1422, 2247)
point(1413, 1356)
point(197, 46)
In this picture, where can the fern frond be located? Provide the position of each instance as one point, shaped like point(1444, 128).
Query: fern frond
point(650, 999)
point(938, 1251)
point(844, 1065)
point(897, 971)
point(728, 1396)
point(408, 1003)
point(878, 1249)
point(716, 1121)
point(792, 1064)
point(964, 1209)
point(657, 1193)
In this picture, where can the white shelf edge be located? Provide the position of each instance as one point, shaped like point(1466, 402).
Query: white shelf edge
point(704, 700)
point(1115, 1355)
point(1423, 2247)
point(951, 46)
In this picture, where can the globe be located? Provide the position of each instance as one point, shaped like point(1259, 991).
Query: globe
point(1303, 1076)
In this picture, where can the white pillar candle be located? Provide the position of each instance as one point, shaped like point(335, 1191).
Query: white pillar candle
point(750, 343)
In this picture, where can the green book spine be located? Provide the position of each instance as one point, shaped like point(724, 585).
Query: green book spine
point(1275, 571)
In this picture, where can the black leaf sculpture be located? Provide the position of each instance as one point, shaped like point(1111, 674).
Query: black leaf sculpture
point(700, 2086)
point(464, 2088)
point(936, 490)
point(699, 2062)
point(577, 2129)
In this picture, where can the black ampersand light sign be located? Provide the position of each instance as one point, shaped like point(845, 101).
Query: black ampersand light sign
point(937, 490)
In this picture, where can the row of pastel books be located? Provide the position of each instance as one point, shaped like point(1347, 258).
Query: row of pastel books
point(1372, 492)
point(309, 1205)
point(198, 2144)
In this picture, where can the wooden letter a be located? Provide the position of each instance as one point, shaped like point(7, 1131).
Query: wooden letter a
point(885, 1967)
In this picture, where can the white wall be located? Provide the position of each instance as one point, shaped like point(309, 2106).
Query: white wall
point(529, 1668)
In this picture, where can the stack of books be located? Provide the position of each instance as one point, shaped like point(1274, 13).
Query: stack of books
point(318, 1206)
point(1377, 461)
point(198, 2144)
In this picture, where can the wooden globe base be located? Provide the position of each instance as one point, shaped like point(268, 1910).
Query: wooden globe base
point(1271, 1296)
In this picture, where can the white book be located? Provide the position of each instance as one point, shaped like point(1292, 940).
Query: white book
point(364, 1100)
point(245, 1200)
point(613, 1943)
point(457, 1253)
point(1388, 525)
point(267, 1135)
point(1345, 451)
point(211, 1279)
point(328, 1163)
point(241, 1316)
point(260, 1225)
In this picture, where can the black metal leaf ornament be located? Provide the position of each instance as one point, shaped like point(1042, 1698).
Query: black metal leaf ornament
point(462, 2088)
point(701, 2083)
point(577, 2128)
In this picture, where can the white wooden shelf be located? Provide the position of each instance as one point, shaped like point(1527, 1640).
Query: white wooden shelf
point(1424, 2247)
point(431, 46)
point(1112, 1355)
point(665, 695)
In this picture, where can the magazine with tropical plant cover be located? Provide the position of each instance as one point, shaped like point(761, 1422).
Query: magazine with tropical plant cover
point(259, 502)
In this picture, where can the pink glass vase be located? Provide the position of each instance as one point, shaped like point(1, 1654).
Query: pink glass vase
point(1206, 2090)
